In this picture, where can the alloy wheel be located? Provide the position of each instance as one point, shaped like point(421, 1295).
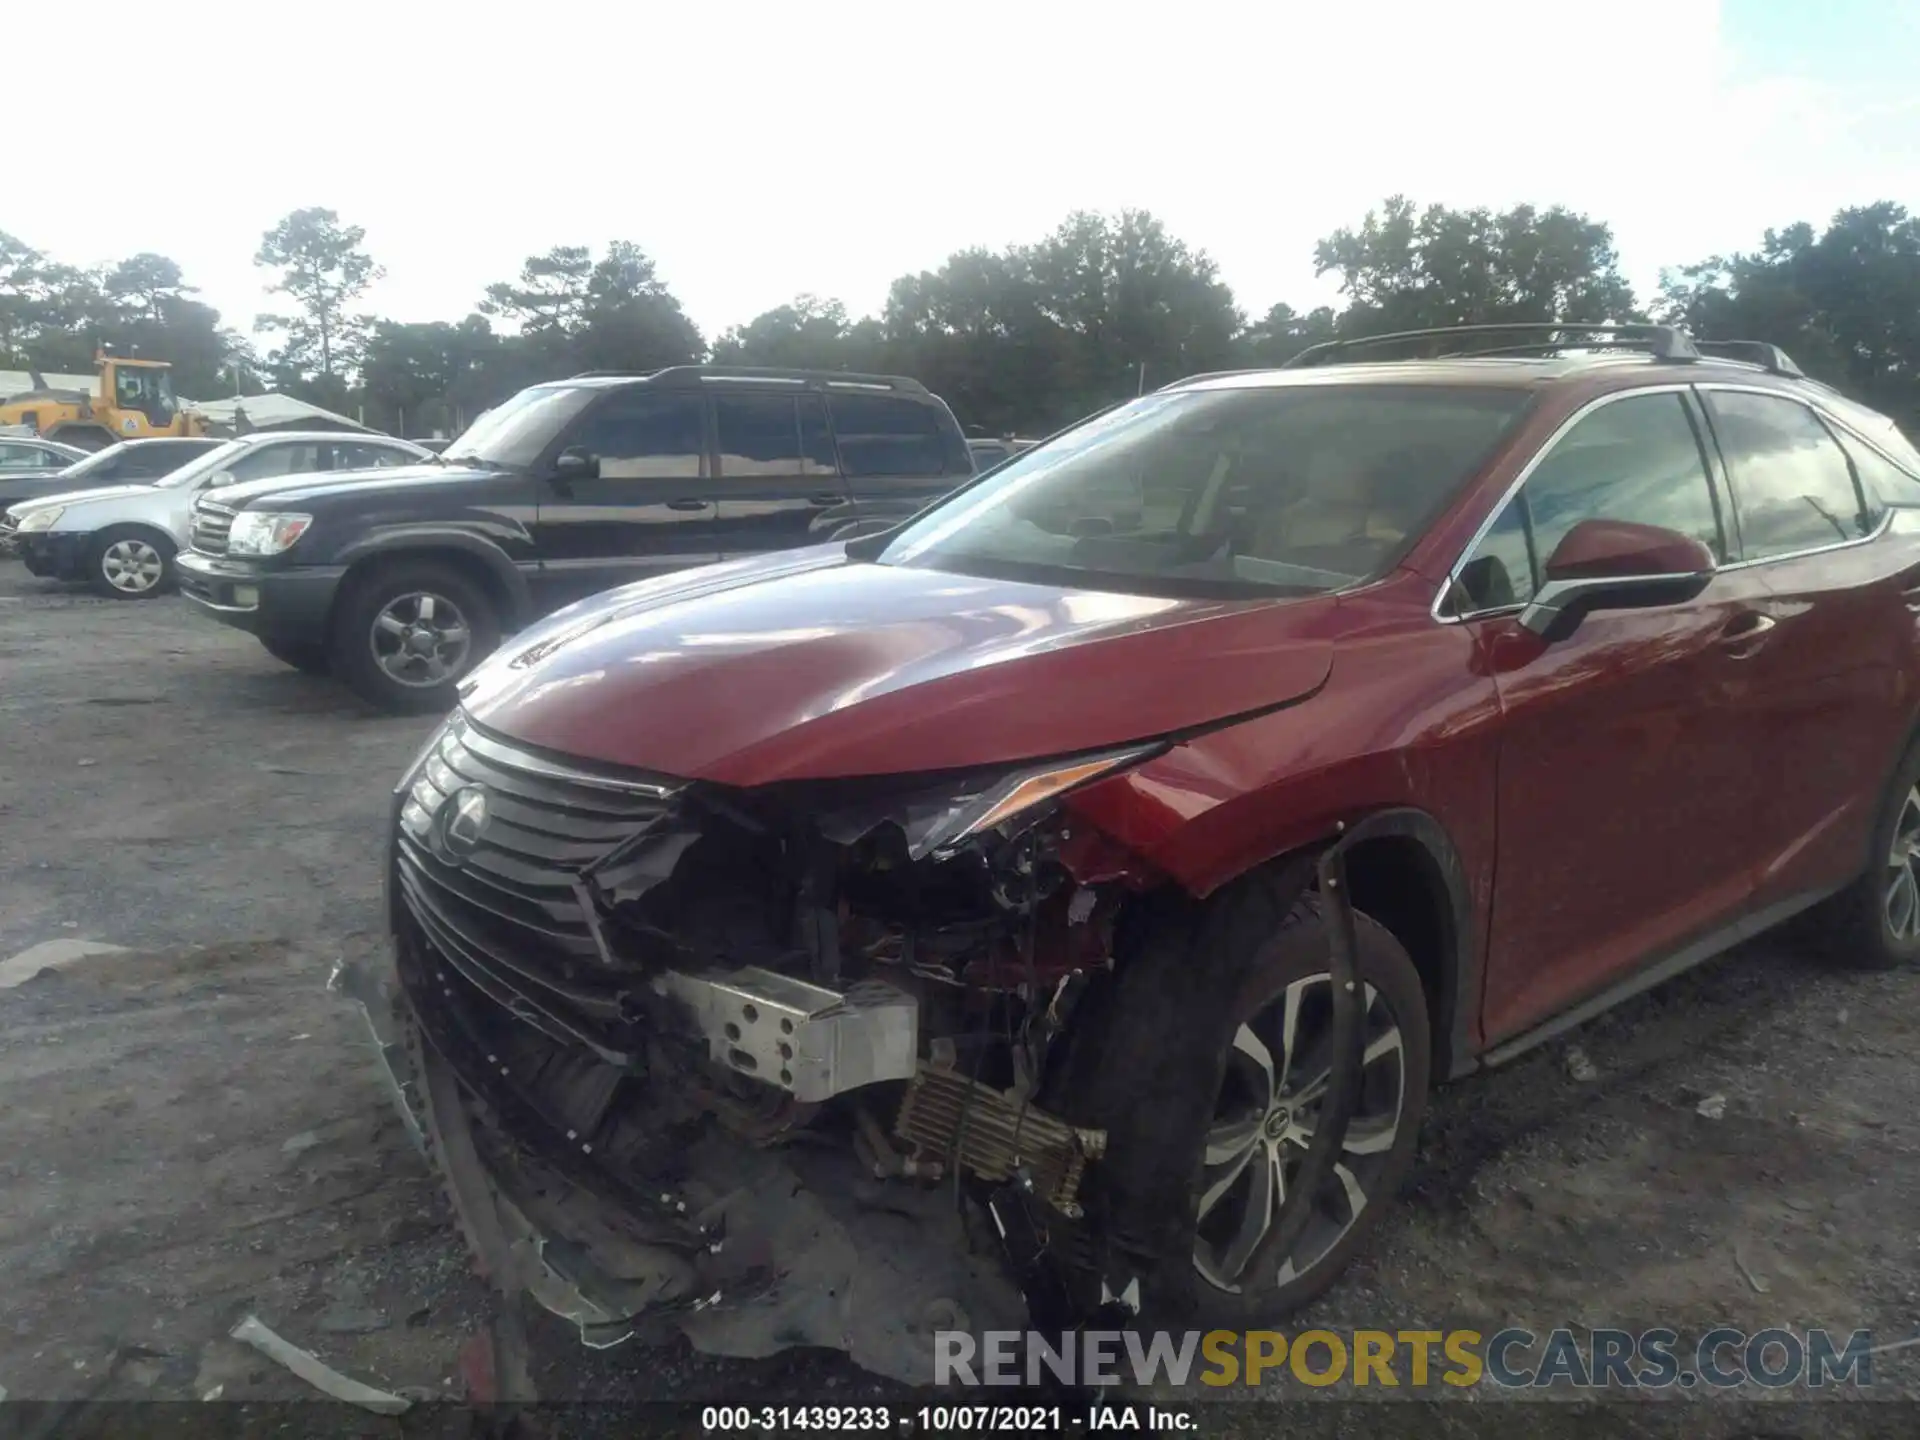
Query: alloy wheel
point(1903, 872)
point(420, 640)
point(132, 566)
point(1277, 1076)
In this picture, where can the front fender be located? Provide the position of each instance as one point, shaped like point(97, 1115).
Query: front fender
point(419, 539)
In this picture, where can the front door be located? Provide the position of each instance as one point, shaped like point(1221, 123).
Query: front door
point(1627, 786)
point(651, 509)
point(779, 486)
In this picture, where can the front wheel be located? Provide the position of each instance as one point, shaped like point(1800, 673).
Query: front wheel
point(127, 563)
point(407, 633)
point(1239, 1120)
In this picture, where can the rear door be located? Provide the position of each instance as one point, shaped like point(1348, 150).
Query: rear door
point(653, 507)
point(1808, 500)
point(1627, 789)
point(898, 453)
point(778, 484)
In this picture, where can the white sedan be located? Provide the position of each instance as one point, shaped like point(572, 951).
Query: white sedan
point(121, 539)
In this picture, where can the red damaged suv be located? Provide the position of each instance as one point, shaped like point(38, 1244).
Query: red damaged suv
point(1059, 906)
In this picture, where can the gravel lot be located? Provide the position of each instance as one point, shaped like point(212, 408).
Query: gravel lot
point(193, 1130)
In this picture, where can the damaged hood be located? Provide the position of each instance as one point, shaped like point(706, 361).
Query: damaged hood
point(807, 665)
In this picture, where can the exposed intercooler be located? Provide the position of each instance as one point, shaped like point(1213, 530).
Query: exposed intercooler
point(996, 1135)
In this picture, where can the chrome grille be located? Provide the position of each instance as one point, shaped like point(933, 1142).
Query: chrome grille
point(211, 523)
point(504, 911)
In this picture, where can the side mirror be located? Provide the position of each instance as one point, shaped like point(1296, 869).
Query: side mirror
point(575, 462)
point(218, 479)
point(1616, 564)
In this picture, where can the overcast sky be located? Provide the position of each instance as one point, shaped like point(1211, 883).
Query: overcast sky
point(760, 150)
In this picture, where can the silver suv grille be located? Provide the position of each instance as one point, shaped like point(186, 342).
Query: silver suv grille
point(210, 526)
point(498, 902)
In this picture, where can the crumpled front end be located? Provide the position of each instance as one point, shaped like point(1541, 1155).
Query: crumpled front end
point(776, 1068)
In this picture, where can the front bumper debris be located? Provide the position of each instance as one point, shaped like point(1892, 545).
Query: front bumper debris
point(751, 1251)
point(812, 1042)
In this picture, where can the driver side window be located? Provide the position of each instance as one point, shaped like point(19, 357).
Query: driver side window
point(1636, 459)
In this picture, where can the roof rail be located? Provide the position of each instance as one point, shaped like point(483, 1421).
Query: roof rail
point(693, 375)
point(1663, 342)
point(1770, 358)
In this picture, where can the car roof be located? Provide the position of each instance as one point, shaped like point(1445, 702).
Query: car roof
point(207, 440)
point(262, 436)
point(1503, 371)
point(694, 376)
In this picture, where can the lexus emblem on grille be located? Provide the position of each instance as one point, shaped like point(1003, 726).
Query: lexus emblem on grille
point(461, 822)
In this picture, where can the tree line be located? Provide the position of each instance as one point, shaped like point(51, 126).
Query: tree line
point(1018, 340)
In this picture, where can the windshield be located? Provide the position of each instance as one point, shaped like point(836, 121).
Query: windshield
point(204, 465)
point(513, 433)
point(1290, 489)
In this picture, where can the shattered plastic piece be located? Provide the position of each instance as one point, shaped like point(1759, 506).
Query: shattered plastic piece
point(305, 1140)
point(215, 1393)
point(310, 1368)
point(1580, 1067)
point(1713, 1107)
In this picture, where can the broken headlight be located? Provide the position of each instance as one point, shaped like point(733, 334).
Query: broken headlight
point(935, 823)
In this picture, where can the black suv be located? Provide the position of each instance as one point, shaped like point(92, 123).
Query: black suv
point(400, 581)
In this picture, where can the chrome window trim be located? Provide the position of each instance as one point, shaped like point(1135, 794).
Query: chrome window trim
point(1825, 418)
point(1598, 402)
point(1821, 413)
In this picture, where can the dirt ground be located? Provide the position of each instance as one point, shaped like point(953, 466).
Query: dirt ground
point(194, 1129)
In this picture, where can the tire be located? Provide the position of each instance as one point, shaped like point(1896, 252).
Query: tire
point(309, 658)
point(1217, 976)
point(130, 562)
point(1857, 928)
point(391, 595)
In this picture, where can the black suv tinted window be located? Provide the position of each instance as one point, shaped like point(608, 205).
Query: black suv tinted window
point(758, 434)
point(642, 435)
point(1635, 459)
point(880, 435)
point(1792, 486)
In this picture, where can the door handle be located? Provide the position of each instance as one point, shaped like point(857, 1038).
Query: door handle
point(1746, 633)
point(826, 498)
point(686, 504)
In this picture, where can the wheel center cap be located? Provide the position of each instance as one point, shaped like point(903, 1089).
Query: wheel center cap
point(1277, 1123)
point(420, 641)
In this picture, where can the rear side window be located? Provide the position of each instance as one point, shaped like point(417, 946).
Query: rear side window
point(881, 435)
point(1636, 459)
point(360, 456)
point(1882, 483)
point(28, 457)
point(758, 435)
point(266, 461)
point(639, 435)
point(1792, 486)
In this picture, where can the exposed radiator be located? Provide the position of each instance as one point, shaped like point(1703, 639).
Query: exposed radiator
point(997, 1134)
